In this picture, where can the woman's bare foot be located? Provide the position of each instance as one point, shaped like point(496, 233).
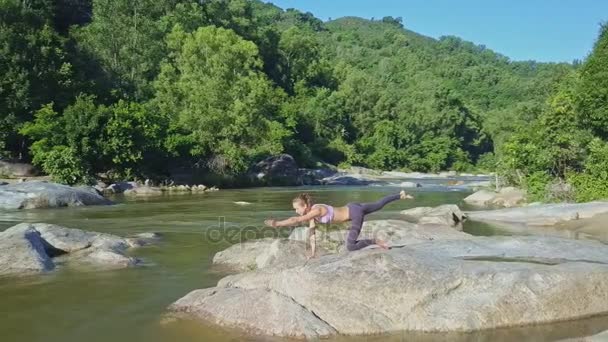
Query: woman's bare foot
point(404, 195)
point(382, 244)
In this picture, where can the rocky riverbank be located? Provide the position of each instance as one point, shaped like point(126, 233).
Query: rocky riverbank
point(279, 170)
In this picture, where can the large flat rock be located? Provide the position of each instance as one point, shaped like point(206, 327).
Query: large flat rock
point(263, 253)
point(506, 197)
point(269, 313)
point(395, 232)
point(542, 214)
point(448, 285)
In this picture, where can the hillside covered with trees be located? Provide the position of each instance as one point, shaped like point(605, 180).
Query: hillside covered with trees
point(127, 88)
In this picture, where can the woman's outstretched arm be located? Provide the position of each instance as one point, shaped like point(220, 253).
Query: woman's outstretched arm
point(312, 238)
point(292, 221)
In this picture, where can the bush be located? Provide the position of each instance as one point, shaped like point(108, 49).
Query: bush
point(592, 183)
point(65, 166)
point(537, 185)
point(487, 162)
point(587, 187)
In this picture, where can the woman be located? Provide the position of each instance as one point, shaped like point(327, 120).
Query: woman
point(323, 213)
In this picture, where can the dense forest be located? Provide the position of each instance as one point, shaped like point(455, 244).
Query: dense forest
point(128, 88)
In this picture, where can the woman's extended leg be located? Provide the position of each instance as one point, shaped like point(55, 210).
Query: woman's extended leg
point(369, 208)
point(357, 212)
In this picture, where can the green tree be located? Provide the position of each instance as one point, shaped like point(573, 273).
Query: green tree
point(218, 100)
point(34, 69)
point(133, 140)
point(554, 146)
point(224, 83)
point(125, 35)
point(592, 182)
point(122, 140)
point(593, 89)
point(66, 147)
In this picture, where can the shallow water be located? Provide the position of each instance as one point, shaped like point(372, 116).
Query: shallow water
point(128, 305)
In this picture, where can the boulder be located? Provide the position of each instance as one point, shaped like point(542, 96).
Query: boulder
point(358, 170)
point(120, 187)
point(285, 253)
point(510, 197)
point(39, 194)
point(37, 247)
point(314, 176)
point(22, 252)
point(144, 191)
point(506, 197)
point(346, 179)
point(481, 198)
point(15, 169)
point(455, 285)
point(448, 214)
point(473, 185)
point(65, 240)
point(417, 212)
point(98, 258)
point(199, 188)
point(410, 185)
point(276, 170)
point(265, 316)
point(264, 253)
point(395, 232)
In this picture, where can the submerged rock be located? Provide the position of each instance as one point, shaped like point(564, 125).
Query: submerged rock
point(143, 239)
point(98, 258)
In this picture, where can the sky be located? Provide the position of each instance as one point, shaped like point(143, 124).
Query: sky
point(541, 30)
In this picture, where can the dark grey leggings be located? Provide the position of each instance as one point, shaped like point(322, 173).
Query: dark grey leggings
point(357, 212)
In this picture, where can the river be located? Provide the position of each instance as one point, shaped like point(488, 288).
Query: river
point(128, 304)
